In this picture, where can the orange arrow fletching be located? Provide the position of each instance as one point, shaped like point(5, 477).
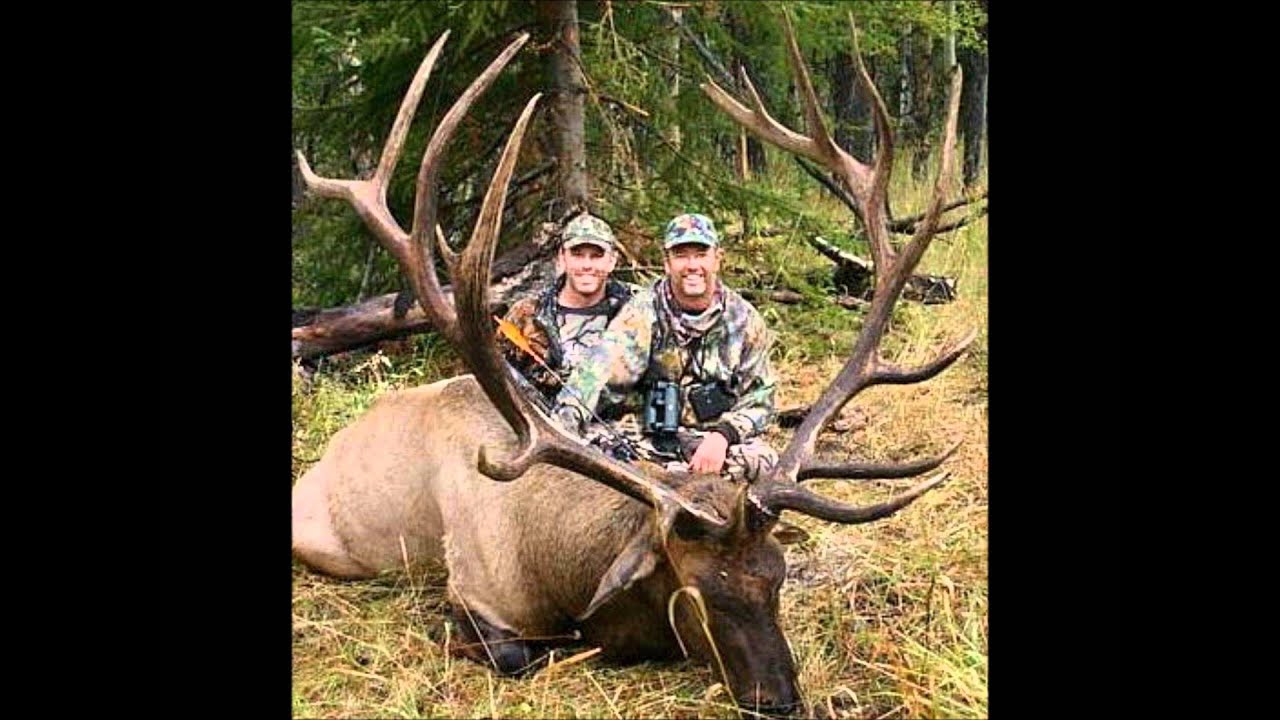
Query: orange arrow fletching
point(512, 333)
point(517, 338)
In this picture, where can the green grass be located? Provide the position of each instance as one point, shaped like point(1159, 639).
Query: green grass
point(887, 619)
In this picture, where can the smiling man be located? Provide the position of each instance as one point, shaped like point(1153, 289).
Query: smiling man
point(693, 358)
point(570, 317)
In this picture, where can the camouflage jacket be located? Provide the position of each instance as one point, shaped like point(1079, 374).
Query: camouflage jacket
point(561, 336)
point(651, 339)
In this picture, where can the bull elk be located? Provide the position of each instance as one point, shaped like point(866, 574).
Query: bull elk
point(543, 535)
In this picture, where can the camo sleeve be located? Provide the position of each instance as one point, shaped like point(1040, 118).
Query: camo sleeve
point(619, 359)
point(753, 412)
point(522, 314)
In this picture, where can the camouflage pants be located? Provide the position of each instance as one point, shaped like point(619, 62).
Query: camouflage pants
point(744, 462)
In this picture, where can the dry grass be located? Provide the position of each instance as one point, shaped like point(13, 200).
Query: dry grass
point(887, 619)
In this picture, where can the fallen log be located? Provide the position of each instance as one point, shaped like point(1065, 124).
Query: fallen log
point(856, 276)
point(527, 268)
point(786, 297)
point(791, 297)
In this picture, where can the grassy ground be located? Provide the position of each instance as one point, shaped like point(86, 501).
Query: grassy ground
point(885, 620)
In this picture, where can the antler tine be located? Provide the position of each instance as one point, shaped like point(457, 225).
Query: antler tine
point(929, 225)
point(471, 290)
point(369, 197)
point(446, 252)
point(887, 373)
point(400, 129)
point(874, 209)
point(774, 497)
point(758, 122)
point(865, 367)
point(421, 265)
point(813, 118)
point(873, 471)
point(540, 440)
point(817, 146)
point(866, 184)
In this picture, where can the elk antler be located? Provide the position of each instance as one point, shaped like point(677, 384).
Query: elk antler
point(467, 327)
point(868, 186)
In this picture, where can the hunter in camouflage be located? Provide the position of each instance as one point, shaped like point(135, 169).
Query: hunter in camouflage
point(690, 330)
point(563, 323)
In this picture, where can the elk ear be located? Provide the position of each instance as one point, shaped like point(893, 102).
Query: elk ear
point(636, 562)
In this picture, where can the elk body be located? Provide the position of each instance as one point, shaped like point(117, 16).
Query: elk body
point(543, 535)
point(528, 558)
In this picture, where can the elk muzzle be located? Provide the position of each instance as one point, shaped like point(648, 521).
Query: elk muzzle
point(762, 674)
point(751, 651)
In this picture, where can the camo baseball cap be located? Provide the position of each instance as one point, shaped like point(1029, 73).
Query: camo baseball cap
point(588, 229)
point(690, 228)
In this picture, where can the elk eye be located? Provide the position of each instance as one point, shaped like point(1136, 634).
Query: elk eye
point(724, 574)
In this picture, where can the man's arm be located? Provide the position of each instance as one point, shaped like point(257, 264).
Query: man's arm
point(521, 315)
point(533, 376)
point(754, 410)
point(619, 359)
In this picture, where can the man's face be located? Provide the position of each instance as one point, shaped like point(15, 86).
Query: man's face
point(693, 269)
point(587, 267)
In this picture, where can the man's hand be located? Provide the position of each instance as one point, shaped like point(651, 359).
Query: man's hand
point(709, 457)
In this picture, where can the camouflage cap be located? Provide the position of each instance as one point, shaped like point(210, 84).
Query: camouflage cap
point(690, 228)
point(588, 229)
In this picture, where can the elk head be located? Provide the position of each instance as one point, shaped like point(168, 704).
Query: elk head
point(711, 538)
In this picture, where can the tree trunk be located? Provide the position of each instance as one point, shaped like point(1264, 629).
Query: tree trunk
point(757, 161)
point(755, 157)
point(904, 76)
point(852, 108)
point(949, 59)
point(924, 103)
point(299, 192)
point(973, 110)
point(973, 107)
point(559, 20)
point(677, 14)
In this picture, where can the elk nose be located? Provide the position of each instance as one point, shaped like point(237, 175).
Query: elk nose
point(771, 710)
point(784, 703)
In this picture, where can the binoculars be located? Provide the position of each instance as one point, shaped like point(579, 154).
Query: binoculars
point(662, 411)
